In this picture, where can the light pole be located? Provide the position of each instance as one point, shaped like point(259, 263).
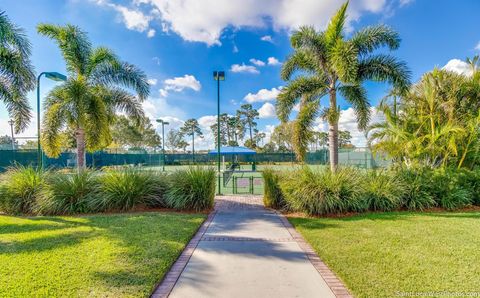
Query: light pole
point(218, 76)
point(55, 76)
point(163, 140)
point(11, 130)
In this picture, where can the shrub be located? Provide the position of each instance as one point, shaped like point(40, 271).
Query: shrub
point(191, 189)
point(68, 193)
point(322, 192)
point(470, 180)
point(129, 188)
point(448, 191)
point(20, 188)
point(417, 194)
point(383, 190)
point(272, 194)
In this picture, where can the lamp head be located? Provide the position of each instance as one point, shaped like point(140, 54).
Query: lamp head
point(55, 76)
point(219, 75)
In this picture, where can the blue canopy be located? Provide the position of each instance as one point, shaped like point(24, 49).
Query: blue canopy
point(230, 150)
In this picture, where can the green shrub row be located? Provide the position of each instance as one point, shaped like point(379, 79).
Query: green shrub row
point(319, 192)
point(26, 190)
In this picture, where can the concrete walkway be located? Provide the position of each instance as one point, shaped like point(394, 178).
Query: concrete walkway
point(245, 250)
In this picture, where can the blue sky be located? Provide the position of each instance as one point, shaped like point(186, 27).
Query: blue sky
point(179, 43)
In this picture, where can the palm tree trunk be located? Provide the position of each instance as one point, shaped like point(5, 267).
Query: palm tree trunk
point(333, 131)
point(80, 138)
point(251, 137)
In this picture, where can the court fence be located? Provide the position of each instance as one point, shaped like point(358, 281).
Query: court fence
point(359, 157)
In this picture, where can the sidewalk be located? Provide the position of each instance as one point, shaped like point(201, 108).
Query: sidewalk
point(245, 250)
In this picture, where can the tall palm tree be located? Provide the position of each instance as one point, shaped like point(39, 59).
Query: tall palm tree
point(329, 63)
point(16, 72)
point(88, 101)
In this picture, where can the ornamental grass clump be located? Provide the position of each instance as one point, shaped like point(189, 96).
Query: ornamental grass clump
point(191, 189)
point(19, 189)
point(68, 193)
point(272, 197)
point(126, 189)
point(383, 190)
point(323, 192)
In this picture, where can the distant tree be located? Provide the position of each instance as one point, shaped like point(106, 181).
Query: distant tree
point(247, 114)
point(16, 72)
point(344, 139)
point(175, 140)
point(189, 128)
point(258, 137)
point(223, 134)
point(136, 134)
point(6, 142)
point(29, 145)
point(282, 137)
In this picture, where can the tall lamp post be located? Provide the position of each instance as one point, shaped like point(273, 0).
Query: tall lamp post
point(163, 140)
point(55, 76)
point(11, 131)
point(218, 76)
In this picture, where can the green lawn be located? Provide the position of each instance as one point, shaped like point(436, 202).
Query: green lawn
point(120, 255)
point(381, 255)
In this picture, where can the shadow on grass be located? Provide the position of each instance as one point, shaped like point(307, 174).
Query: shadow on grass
point(146, 244)
point(44, 243)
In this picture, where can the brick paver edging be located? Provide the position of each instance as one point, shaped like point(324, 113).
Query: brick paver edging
point(337, 287)
point(170, 279)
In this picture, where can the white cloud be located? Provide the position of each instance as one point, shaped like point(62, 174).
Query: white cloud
point(273, 61)
point(159, 107)
point(206, 121)
point(151, 33)
point(152, 82)
point(267, 38)
point(204, 21)
point(477, 47)
point(235, 49)
point(133, 19)
point(405, 2)
point(458, 66)
point(257, 62)
point(178, 84)
point(263, 95)
point(156, 60)
point(163, 92)
point(267, 111)
point(244, 68)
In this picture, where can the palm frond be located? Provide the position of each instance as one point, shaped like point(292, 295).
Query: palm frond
point(291, 94)
point(101, 55)
point(302, 132)
point(356, 95)
point(343, 58)
point(53, 122)
point(123, 74)
point(373, 37)
point(334, 29)
point(73, 43)
point(118, 100)
point(385, 68)
point(300, 60)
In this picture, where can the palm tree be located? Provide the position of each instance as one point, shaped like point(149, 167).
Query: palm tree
point(88, 101)
point(330, 63)
point(16, 72)
point(189, 128)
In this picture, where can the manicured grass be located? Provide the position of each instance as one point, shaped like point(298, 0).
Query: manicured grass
point(120, 255)
point(382, 255)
